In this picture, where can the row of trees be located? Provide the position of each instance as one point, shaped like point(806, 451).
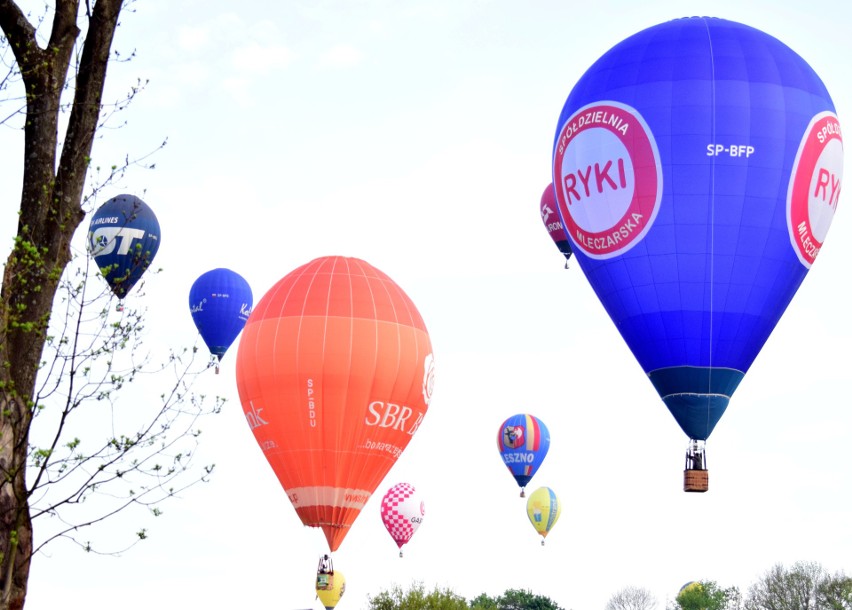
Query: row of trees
point(803, 586)
point(418, 598)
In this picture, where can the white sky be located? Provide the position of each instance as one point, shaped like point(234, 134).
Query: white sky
point(417, 136)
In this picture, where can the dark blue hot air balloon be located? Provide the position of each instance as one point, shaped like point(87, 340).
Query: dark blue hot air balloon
point(697, 167)
point(124, 236)
point(220, 302)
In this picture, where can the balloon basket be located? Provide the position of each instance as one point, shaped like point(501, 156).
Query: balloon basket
point(695, 481)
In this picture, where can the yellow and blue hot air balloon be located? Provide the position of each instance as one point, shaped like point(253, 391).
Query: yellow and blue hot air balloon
point(124, 236)
point(220, 302)
point(692, 585)
point(543, 510)
point(697, 167)
point(523, 441)
point(692, 596)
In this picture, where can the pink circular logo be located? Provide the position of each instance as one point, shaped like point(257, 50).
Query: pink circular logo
point(815, 186)
point(607, 177)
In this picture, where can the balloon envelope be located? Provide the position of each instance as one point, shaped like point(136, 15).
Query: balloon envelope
point(697, 166)
point(543, 510)
point(552, 222)
point(402, 512)
point(335, 374)
point(124, 236)
point(692, 595)
point(692, 585)
point(523, 441)
point(220, 302)
point(330, 597)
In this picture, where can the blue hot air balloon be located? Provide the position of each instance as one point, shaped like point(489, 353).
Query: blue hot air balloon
point(523, 441)
point(697, 167)
point(124, 236)
point(220, 302)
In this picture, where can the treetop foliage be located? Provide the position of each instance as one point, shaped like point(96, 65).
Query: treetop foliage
point(417, 598)
point(803, 586)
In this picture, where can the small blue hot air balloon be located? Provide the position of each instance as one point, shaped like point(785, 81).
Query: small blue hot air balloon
point(523, 441)
point(124, 236)
point(220, 302)
point(697, 168)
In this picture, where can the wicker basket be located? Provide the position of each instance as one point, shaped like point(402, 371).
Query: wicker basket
point(695, 480)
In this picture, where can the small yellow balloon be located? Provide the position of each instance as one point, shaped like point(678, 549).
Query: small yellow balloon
point(543, 509)
point(693, 586)
point(330, 597)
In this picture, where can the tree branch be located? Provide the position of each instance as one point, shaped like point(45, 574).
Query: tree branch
point(20, 33)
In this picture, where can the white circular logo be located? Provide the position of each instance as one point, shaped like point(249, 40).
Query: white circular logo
point(607, 177)
point(815, 186)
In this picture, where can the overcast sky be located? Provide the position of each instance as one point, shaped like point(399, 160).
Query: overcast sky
point(418, 136)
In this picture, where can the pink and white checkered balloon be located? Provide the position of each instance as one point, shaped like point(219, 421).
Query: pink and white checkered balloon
point(402, 513)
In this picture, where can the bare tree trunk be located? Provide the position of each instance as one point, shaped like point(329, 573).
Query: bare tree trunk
point(50, 213)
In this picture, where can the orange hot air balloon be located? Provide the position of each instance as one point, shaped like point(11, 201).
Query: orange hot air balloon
point(335, 373)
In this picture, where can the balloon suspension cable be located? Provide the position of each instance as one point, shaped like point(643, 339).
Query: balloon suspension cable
point(325, 574)
point(326, 566)
point(695, 475)
point(696, 458)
